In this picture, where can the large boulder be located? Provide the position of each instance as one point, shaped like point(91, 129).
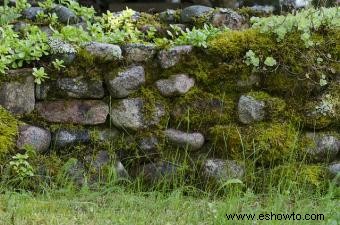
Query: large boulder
point(137, 53)
point(170, 57)
point(193, 141)
point(192, 13)
point(85, 112)
point(17, 96)
point(175, 85)
point(104, 51)
point(126, 82)
point(250, 110)
point(36, 137)
point(128, 114)
point(223, 170)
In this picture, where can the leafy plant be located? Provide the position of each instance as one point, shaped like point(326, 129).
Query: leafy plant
point(20, 165)
point(58, 64)
point(39, 75)
point(270, 61)
point(252, 59)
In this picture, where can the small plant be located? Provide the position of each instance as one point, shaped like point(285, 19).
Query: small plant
point(39, 75)
point(58, 64)
point(20, 165)
point(270, 61)
point(252, 59)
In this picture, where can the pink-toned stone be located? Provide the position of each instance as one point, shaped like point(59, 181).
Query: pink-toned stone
point(89, 112)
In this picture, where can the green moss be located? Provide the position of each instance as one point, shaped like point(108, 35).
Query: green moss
point(299, 177)
point(264, 143)
point(8, 132)
point(199, 110)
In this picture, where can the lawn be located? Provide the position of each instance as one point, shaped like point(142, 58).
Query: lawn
point(122, 207)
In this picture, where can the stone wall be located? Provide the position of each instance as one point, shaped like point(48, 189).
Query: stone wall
point(155, 113)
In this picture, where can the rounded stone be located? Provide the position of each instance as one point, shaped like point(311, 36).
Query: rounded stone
point(193, 141)
point(36, 137)
point(176, 85)
point(250, 110)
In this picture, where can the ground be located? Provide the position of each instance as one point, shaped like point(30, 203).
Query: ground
point(116, 206)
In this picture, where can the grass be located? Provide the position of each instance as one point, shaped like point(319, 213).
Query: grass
point(117, 206)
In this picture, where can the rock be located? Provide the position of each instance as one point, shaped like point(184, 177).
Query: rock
point(42, 90)
point(65, 15)
point(32, 12)
point(228, 18)
point(250, 110)
point(148, 143)
point(176, 85)
point(17, 96)
point(20, 26)
point(126, 82)
point(191, 13)
point(86, 112)
point(67, 137)
point(36, 137)
point(325, 149)
point(334, 168)
point(105, 135)
point(103, 51)
point(62, 50)
point(103, 165)
point(74, 170)
point(80, 87)
point(138, 53)
point(158, 171)
point(169, 16)
point(128, 114)
point(47, 30)
point(193, 141)
point(266, 9)
point(223, 170)
point(233, 4)
point(170, 57)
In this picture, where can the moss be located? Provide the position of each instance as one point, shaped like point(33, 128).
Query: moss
point(199, 110)
point(264, 143)
point(299, 176)
point(8, 132)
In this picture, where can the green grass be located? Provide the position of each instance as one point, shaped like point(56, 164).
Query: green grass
point(123, 207)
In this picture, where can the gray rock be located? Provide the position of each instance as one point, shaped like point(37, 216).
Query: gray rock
point(334, 168)
point(103, 51)
point(20, 26)
point(138, 53)
point(267, 9)
point(126, 82)
point(128, 113)
point(74, 170)
point(158, 171)
point(249, 81)
point(193, 141)
point(169, 16)
point(99, 165)
point(223, 170)
point(326, 147)
point(42, 90)
point(148, 143)
point(65, 15)
point(67, 137)
point(105, 135)
point(62, 50)
point(228, 18)
point(170, 57)
point(79, 87)
point(85, 112)
point(36, 137)
point(191, 13)
point(17, 96)
point(47, 30)
point(250, 110)
point(176, 85)
point(32, 12)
